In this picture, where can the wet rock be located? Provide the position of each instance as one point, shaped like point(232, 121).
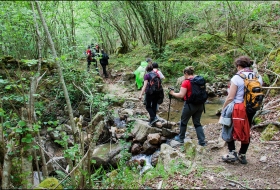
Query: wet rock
point(168, 133)
point(163, 139)
point(136, 148)
point(154, 158)
point(148, 148)
point(154, 139)
point(101, 154)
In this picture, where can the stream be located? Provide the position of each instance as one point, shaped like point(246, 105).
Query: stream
point(208, 117)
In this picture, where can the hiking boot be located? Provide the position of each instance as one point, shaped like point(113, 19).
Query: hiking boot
point(204, 144)
point(242, 158)
point(230, 157)
point(153, 121)
point(177, 138)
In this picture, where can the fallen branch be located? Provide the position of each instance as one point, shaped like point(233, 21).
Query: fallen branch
point(271, 142)
point(234, 182)
point(276, 123)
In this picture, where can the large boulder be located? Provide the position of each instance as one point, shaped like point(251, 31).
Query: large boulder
point(141, 129)
point(154, 138)
point(148, 148)
point(101, 154)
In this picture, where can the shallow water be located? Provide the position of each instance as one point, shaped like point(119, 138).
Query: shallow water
point(208, 117)
point(147, 160)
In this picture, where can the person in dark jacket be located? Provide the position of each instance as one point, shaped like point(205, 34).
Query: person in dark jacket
point(104, 62)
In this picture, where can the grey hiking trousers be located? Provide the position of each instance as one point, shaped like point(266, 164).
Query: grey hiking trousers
point(194, 112)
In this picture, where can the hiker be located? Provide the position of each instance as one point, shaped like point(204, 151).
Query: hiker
point(161, 76)
point(155, 69)
point(151, 99)
point(89, 57)
point(95, 53)
point(189, 110)
point(104, 62)
point(139, 74)
point(242, 119)
point(149, 60)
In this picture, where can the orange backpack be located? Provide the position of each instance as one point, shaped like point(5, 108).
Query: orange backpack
point(253, 95)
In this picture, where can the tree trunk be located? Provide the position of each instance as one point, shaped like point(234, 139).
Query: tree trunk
point(7, 166)
point(69, 107)
point(61, 78)
point(39, 43)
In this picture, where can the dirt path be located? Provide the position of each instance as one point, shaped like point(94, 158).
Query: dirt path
point(211, 172)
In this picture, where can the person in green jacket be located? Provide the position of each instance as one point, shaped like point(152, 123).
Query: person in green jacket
point(139, 74)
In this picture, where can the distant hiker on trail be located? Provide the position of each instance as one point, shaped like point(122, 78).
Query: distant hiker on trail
point(95, 54)
point(152, 96)
point(149, 60)
point(104, 62)
point(241, 116)
point(190, 110)
point(139, 74)
point(89, 57)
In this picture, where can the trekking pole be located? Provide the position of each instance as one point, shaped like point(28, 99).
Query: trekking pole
point(169, 95)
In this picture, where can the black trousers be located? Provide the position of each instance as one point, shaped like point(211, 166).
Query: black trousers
point(104, 69)
point(244, 147)
point(151, 104)
point(88, 64)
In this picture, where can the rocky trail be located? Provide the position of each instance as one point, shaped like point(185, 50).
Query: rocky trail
point(261, 172)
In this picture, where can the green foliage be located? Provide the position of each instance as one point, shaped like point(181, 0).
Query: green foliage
point(257, 120)
point(266, 79)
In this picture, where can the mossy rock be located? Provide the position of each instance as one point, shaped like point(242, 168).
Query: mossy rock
point(269, 132)
point(49, 183)
point(98, 79)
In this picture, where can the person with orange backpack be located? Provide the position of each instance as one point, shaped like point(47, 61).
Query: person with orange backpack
point(245, 93)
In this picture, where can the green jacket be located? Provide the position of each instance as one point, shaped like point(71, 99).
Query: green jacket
point(139, 74)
